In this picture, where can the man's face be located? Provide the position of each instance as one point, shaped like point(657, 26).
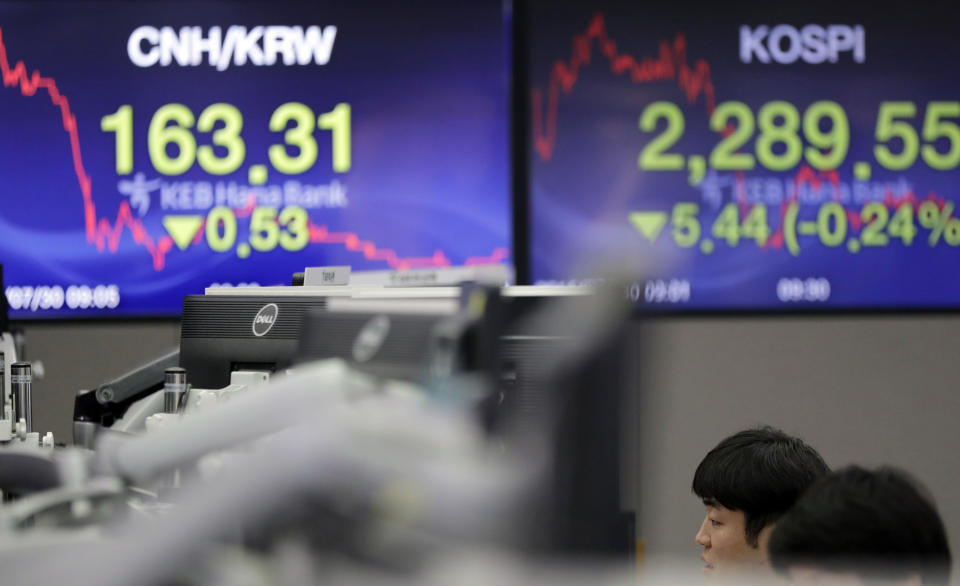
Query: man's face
point(724, 539)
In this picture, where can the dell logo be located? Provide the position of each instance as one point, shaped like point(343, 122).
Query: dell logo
point(265, 319)
point(811, 44)
point(371, 338)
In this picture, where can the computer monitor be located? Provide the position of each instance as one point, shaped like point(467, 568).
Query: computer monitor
point(261, 328)
point(219, 141)
point(220, 334)
point(564, 358)
point(415, 347)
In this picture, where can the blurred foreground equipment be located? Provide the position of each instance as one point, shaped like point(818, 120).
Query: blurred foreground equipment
point(352, 432)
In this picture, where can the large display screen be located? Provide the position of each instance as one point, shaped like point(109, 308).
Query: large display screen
point(749, 155)
point(152, 149)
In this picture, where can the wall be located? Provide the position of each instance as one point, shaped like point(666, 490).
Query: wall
point(872, 390)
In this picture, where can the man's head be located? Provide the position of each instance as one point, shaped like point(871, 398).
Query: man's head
point(746, 483)
point(858, 525)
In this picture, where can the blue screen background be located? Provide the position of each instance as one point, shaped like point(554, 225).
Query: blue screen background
point(582, 194)
point(428, 186)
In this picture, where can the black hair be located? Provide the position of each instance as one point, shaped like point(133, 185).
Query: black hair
point(761, 472)
point(870, 522)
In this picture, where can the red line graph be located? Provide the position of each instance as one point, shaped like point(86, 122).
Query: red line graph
point(106, 234)
point(498, 255)
point(99, 231)
point(370, 251)
point(670, 64)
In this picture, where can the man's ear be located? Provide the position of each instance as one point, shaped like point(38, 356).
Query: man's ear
point(763, 539)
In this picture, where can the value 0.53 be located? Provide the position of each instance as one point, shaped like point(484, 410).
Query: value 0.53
point(289, 229)
point(173, 149)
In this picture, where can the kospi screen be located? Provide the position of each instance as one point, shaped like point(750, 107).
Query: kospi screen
point(750, 155)
point(151, 149)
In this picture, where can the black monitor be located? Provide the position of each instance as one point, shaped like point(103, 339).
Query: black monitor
point(564, 359)
point(423, 335)
point(221, 333)
point(387, 345)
